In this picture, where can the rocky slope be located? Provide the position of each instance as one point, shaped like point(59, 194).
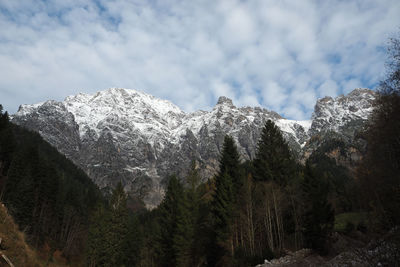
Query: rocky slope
point(337, 127)
point(125, 135)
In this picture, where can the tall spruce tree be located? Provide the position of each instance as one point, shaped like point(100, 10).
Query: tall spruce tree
point(118, 228)
point(176, 232)
point(183, 236)
point(108, 232)
point(222, 209)
point(97, 243)
point(318, 214)
point(228, 183)
point(7, 143)
point(229, 163)
point(273, 160)
point(194, 206)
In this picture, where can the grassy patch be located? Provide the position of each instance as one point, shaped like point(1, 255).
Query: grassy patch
point(13, 243)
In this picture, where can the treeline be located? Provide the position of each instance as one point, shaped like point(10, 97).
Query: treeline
point(256, 210)
point(48, 196)
point(380, 171)
point(248, 212)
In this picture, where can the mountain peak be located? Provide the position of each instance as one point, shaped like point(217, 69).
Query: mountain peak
point(334, 113)
point(223, 100)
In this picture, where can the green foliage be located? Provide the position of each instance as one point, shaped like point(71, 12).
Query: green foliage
point(342, 187)
point(97, 243)
point(110, 234)
point(232, 220)
point(177, 227)
point(273, 161)
point(49, 197)
point(117, 231)
point(229, 164)
point(228, 184)
point(379, 174)
point(223, 208)
point(318, 215)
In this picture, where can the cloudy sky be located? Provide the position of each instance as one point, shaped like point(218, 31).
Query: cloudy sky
point(281, 55)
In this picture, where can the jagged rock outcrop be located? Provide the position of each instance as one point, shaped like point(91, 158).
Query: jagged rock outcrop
point(125, 135)
point(341, 121)
point(337, 114)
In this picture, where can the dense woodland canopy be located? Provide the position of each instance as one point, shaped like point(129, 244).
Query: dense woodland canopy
point(249, 211)
point(48, 196)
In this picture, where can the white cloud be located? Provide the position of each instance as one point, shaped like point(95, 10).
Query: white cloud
point(281, 54)
point(350, 85)
point(274, 95)
point(328, 88)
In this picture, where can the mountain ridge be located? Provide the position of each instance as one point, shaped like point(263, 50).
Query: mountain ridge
point(126, 135)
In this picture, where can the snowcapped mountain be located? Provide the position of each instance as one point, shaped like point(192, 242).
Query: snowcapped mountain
point(332, 114)
point(129, 136)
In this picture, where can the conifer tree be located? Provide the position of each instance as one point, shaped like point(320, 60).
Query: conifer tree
point(273, 160)
point(172, 213)
point(222, 209)
point(48, 196)
point(318, 214)
point(17, 176)
point(193, 205)
point(20, 195)
point(4, 118)
point(379, 173)
point(97, 244)
point(7, 142)
point(228, 183)
point(108, 233)
point(229, 163)
point(183, 235)
point(118, 228)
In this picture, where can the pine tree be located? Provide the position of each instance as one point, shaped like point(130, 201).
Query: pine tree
point(23, 204)
point(318, 216)
point(15, 185)
point(118, 228)
point(193, 205)
point(108, 232)
point(7, 143)
point(229, 163)
point(135, 241)
point(4, 118)
point(228, 184)
point(222, 209)
point(183, 234)
point(273, 160)
point(170, 210)
point(96, 243)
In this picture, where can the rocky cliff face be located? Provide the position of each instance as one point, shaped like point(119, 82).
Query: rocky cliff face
point(337, 127)
point(128, 136)
point(336, 114)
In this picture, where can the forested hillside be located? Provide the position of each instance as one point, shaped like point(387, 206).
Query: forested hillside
point(48, 196)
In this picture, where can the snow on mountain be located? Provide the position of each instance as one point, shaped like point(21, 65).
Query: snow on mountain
point(129, 136)
point(330, 114)
point(119, 111)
